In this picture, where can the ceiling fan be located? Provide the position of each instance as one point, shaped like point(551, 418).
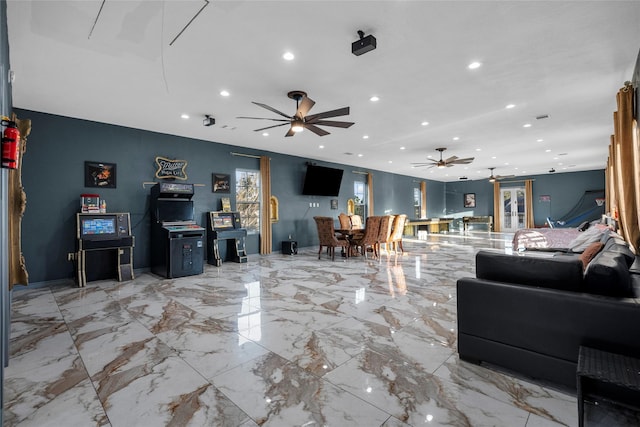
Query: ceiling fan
point(495, 178)
point(300, 120)
point(447, 163)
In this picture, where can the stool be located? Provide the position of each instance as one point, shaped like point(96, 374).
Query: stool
point(601, 368)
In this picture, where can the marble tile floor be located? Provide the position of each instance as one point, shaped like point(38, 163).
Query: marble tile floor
point(279, 341)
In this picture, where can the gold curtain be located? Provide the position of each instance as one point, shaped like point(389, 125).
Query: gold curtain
point(610, 192)
point(528, 202)
point(265, 224)
point(370, 193)
point(497, 219)
point(624, 166)
point(423, 199)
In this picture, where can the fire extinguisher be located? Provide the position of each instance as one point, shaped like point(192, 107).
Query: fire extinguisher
point(10, 144)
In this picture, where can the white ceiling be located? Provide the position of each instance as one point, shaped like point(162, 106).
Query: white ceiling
point(564, 59)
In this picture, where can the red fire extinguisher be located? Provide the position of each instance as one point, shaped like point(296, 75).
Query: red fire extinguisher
point(10, 144)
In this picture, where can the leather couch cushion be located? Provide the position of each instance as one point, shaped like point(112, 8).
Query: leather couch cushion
point(608, 274)
point(565, 273)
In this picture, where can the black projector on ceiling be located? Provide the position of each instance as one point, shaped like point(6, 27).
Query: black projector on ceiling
point(364, 45)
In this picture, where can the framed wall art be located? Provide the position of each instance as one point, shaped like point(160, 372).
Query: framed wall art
point(220, 183)
point(469, 200)
point(101, 175)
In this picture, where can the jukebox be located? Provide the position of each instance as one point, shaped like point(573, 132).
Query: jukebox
point(177, 242)
point(225, 226)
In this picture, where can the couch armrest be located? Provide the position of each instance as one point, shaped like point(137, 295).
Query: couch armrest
point(547, 321)
point(563, 273)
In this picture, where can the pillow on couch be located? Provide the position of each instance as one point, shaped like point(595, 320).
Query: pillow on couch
point(590, 253)
point(584, 239)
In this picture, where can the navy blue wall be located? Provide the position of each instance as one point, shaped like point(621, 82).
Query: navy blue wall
point(53, 177)
point(564, 189)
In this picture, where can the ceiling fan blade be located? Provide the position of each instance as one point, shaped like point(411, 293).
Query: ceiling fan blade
point(463, 161)
point(337, 124)
point(333, 113)
point(271, 109)
point(270, 127)
point(451, 159)
point(316, 129)
point(264, 118)
point(504, 176)
point(305, 106)
point(290, 133)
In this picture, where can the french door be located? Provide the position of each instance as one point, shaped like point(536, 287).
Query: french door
point(512, 209)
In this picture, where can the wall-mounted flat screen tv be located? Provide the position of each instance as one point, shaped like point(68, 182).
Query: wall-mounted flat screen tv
point(322, 181)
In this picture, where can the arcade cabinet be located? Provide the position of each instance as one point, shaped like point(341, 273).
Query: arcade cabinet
point(177, 242)
point(225, 226)
point(104, 242)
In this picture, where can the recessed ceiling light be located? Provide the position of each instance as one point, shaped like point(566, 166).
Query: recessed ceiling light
point(478, 149)
point(455, 138)
point(429, 156)
point(374, 98)
point(402, 148)
point(390, 161)
point(526, 125)
point(548, 150)
point(265, 133)
point(360, 155)
point(506, 163)
point(493, 157)
point(321, 146)
point(184, 116)
point(425, 123)
point(288, 56)
point(224, 92)
point(365, 136)
point(510, 106)
point(474, 65)
point(539, 140)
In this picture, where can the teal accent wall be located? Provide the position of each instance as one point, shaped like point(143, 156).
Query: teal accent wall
point(53, 178)
point(564, 189)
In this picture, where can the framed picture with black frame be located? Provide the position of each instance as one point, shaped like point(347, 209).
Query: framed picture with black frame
point(469, 200)
point(101, 175)
point(220, 183)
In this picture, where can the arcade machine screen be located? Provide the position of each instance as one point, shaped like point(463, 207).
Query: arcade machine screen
point(95, 228)
point(174, 210)
point(223, 220)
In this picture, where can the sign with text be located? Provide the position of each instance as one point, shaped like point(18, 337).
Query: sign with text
point(171, 169)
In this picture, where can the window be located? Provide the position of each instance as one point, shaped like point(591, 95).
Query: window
point(248, 199)
point(359, 198)
point(417, 196)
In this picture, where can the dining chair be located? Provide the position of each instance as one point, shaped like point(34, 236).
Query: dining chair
point(386, 222)
point(327, 237)
point(356, 222)
point(397, 231)
point(369, 237)
point(345, 221)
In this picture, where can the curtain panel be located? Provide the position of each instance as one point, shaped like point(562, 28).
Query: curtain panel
point(528, 196)
point(497, 218)
point(266, 243)
point(626, 174)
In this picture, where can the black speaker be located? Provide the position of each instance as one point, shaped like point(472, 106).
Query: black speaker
point(289, 247)
point(364, 45)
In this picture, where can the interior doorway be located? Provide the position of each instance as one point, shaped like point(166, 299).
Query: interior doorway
point(513, 209)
